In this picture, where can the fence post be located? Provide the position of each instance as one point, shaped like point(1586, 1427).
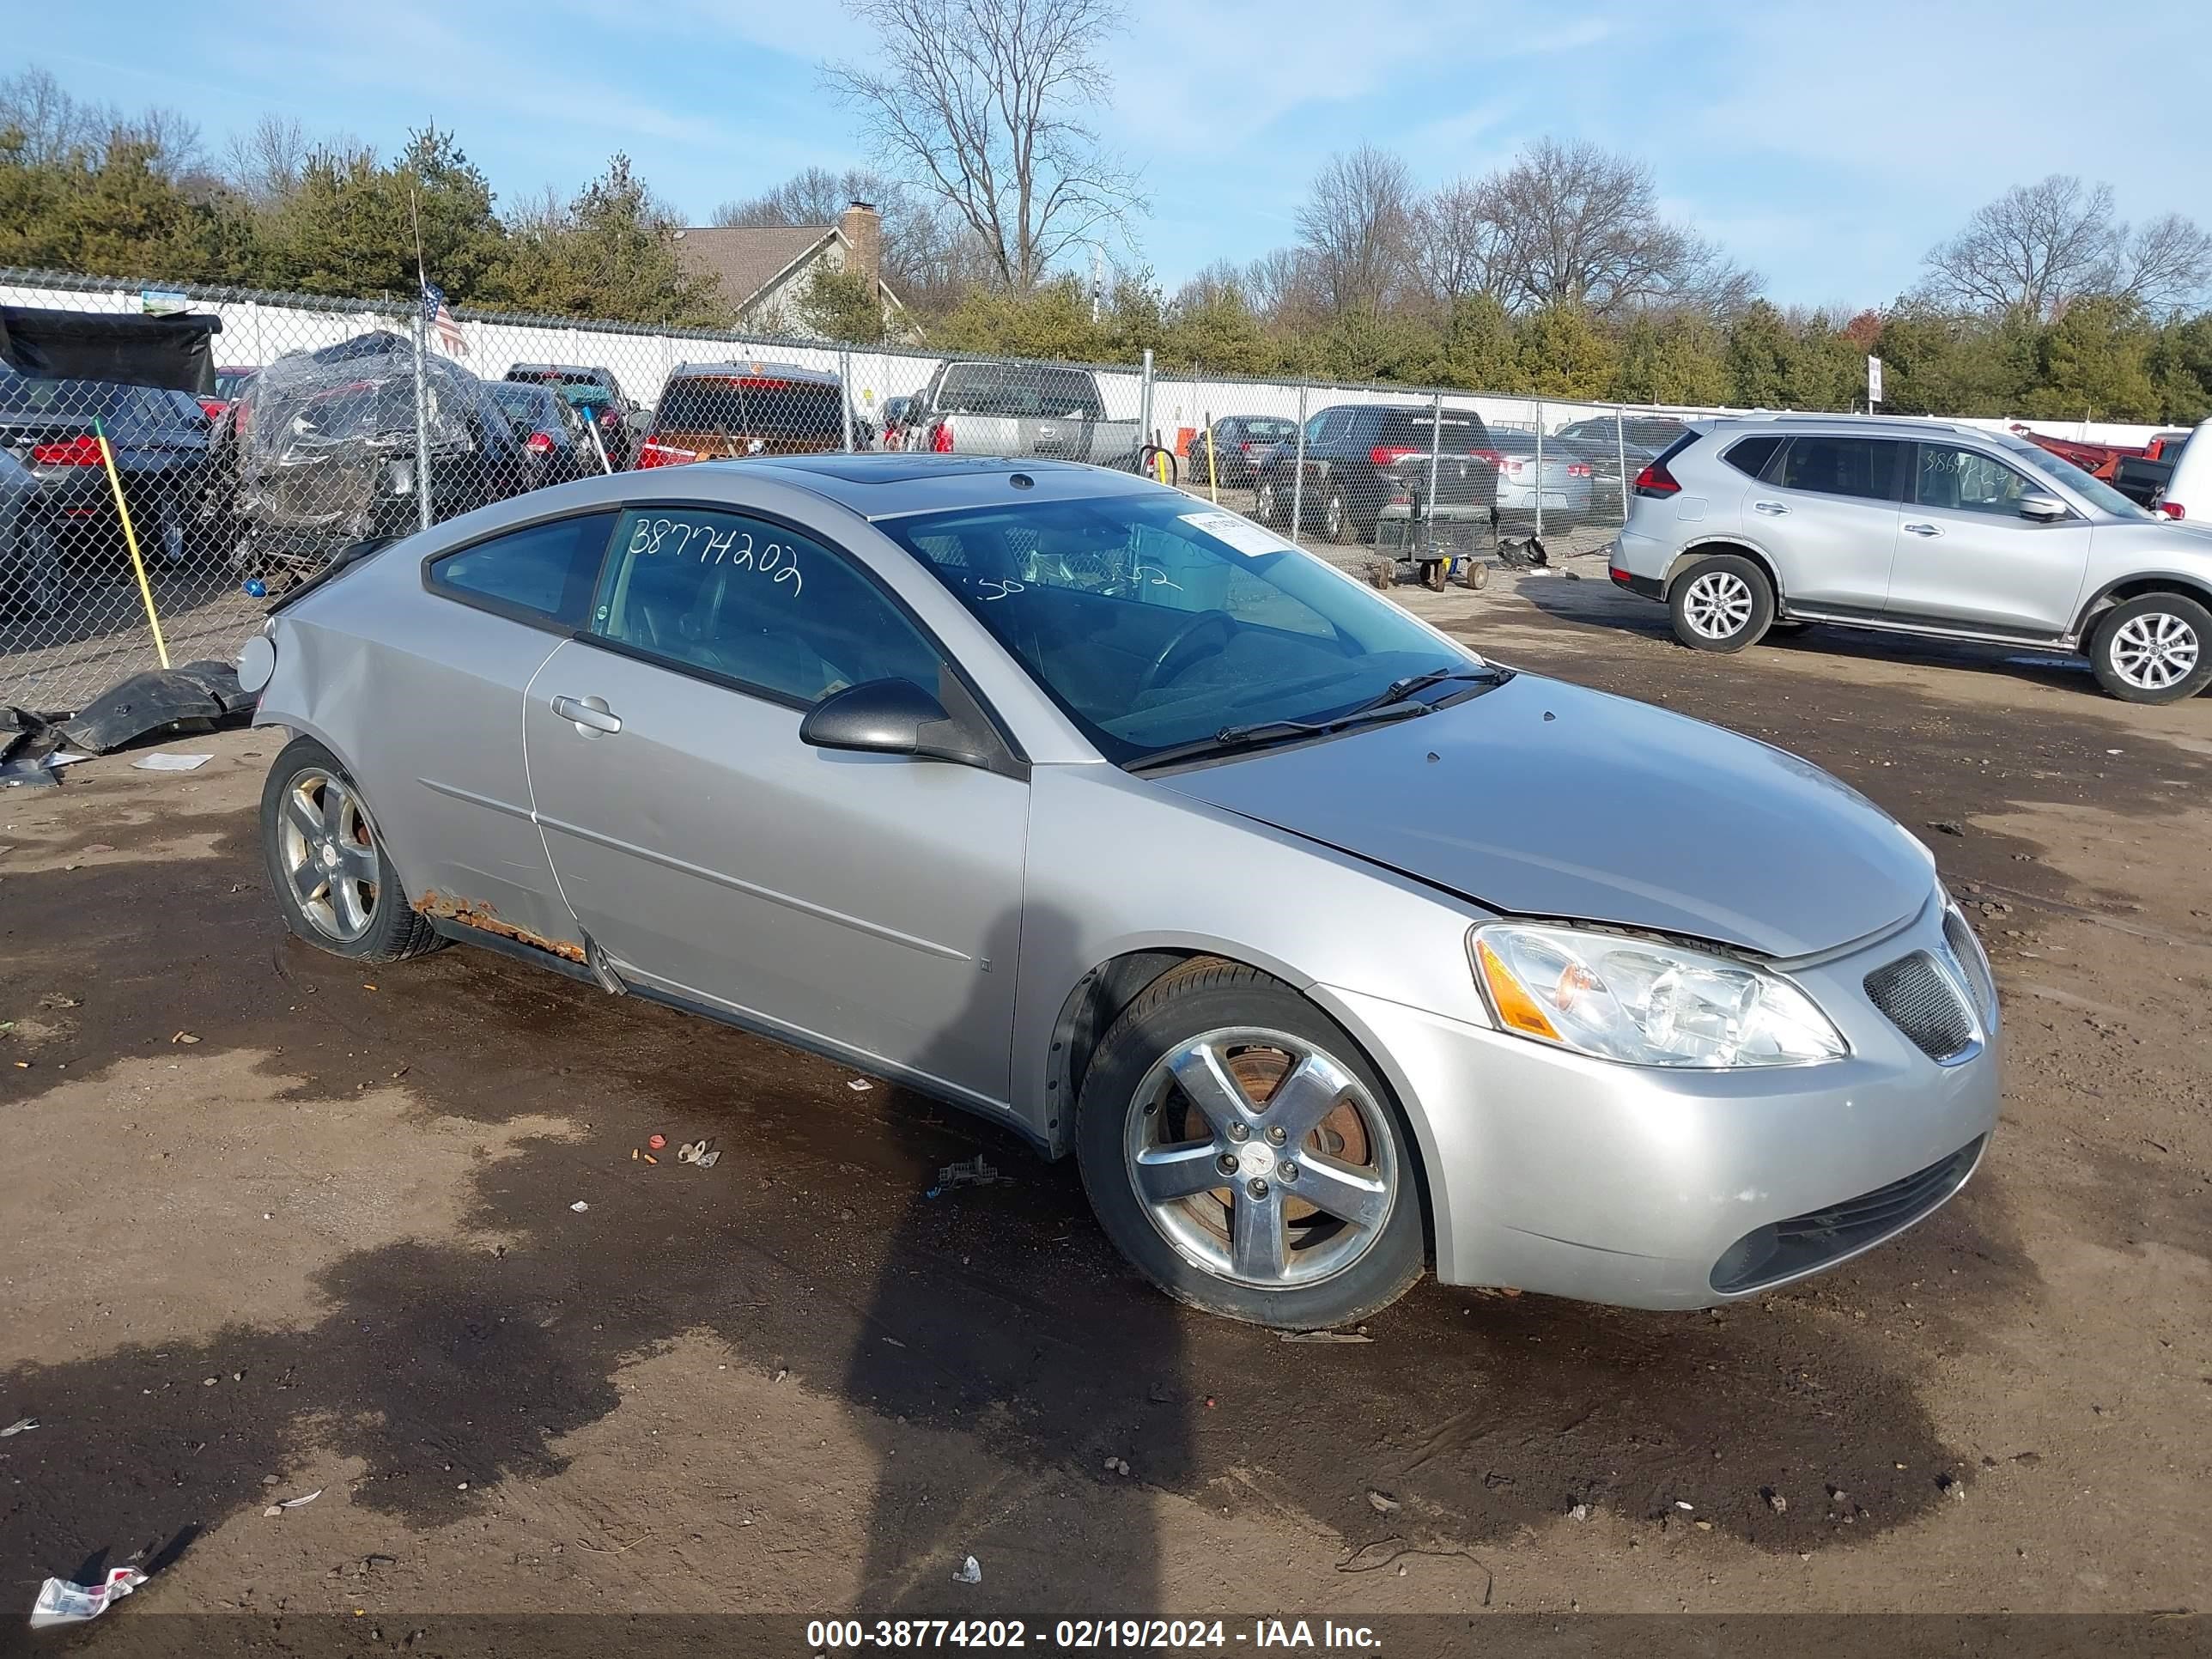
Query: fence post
point(1145, 403)
point(1436, 446)
point(845, 388)
point(1620, 447)
point(1298, 472)
point(1540, 469)
point(422, 426)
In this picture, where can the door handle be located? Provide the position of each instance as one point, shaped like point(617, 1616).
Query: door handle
point(1772, 509)
point(589, 714)
point(1922, 530)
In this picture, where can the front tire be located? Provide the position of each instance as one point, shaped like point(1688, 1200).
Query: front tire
point(1336, 518)
point(1241, 1151)
point(333, 879)
point(2156, 648)
point(1722, 604)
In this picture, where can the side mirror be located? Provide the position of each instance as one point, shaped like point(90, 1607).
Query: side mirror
point(897, 717)
point(2042, 509)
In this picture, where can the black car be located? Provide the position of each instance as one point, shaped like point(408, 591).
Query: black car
point(160, 442)
point(556, 441)
point(1363, 458)
point(596, 392)
point(31, 581)
point(1231, 451)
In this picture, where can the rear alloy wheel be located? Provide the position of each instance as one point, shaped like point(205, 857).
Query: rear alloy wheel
point(1243, 1153)
point(1336, 517)
point(333, 880)
point(1722, 603)
point(2157, 648)
point(1263, 502)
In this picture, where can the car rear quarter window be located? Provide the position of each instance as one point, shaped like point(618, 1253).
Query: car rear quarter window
point(1866, 468)
point(752, 601)
point(1751, 455)
point(541, 574)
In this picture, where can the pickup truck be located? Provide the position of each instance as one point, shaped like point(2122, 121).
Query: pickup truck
point(974, 408)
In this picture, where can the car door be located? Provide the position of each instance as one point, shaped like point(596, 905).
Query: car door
point(867, 904)
point(1966, 557)
point(1825, 511)
point(454, 677)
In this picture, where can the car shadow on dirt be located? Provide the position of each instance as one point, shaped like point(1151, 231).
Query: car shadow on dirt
point(450, 1365)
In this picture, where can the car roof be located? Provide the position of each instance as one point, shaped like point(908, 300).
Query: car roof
point(894, 486)
point(1869, 426)
point(761, 370)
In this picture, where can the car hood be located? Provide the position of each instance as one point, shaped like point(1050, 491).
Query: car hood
point(1542, 799)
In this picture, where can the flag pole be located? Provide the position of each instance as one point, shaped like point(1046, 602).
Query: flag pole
point(421, 385)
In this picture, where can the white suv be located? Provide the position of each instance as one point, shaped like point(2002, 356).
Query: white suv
point(1916, 527)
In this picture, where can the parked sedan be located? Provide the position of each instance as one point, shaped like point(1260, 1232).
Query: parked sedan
point(1561, 477)
point(555, 442)
point(854, 750)
point(1231, 451)
point(160, 442)
point(1606, 441)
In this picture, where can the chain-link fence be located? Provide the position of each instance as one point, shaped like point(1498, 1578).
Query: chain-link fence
point(140, 525)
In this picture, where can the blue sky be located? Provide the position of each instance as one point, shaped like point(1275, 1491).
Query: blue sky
point(1826, 146)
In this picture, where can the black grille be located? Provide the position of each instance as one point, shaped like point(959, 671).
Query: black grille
point(1784, 1250)
point(1971, 963)
point(1921, 1001)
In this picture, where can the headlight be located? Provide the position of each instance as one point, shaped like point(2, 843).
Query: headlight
point(1647, 1003)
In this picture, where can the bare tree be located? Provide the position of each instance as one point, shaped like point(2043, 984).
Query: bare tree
point(54, 124)
point(1355, 224)
point(815, 197)
point(1460, 243)
point(264, 162)
point(171, 135)
point(2034, 248)
point(981, 102)
point(1280, 285)
point(1578, 225)
point(2165, 265)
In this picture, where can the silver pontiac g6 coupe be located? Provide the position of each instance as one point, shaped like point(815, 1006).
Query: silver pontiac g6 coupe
point(1329, 947)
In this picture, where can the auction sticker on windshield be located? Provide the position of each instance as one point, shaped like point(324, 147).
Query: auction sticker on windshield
point(1247, 537)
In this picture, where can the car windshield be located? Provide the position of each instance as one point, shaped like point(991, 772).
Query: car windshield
point(80, 400)
point(526, 404)
point(1154, 622)
point(2096, 491)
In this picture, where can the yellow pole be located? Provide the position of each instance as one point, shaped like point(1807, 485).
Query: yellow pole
point(1212, 468)
point(130, 536)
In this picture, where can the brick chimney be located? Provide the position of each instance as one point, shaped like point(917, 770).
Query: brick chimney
point(864, 229)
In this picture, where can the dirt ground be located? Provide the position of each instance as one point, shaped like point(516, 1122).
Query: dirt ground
point(271, 1226)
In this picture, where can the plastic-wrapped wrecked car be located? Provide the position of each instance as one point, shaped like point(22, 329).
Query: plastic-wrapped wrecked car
point(327, 450)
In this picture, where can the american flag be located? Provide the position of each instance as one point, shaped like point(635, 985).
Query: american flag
point(436, 314)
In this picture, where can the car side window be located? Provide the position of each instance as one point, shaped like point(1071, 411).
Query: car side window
point(1863, 467)
point(1751, 455)
point(1968, 481)
point(754, 601)
point(542, 573)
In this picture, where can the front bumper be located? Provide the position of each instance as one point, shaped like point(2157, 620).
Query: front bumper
point(1645, 1187)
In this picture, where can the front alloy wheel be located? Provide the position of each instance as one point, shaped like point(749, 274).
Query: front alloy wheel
point(1260, 1159)
point(1244, 1155)
point(332, 876)
point(2153, 649)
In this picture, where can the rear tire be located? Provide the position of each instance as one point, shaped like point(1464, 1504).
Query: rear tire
point(333, 879)
point(1721, 603)
point(2155, 648)
point(1318, 1223)
point(1264, 506)
point(1336, 518)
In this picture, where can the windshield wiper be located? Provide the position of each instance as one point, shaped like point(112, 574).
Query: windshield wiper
point(1399, 690)
point(1230, 739)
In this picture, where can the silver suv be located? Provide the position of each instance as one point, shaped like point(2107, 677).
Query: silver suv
point(1916, 527)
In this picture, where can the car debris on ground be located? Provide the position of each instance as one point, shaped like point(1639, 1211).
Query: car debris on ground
point(162, 762)
point(975, 1171)
point(61, 1602)
point(968, 1573)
